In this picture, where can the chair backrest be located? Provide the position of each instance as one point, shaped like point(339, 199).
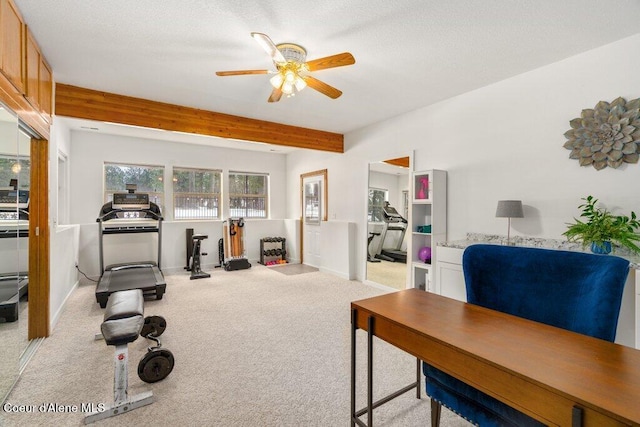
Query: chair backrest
point(577, 291)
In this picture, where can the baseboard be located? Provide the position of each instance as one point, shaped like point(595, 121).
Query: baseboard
point(340, 274)
point(379, 286)
point(58, 313)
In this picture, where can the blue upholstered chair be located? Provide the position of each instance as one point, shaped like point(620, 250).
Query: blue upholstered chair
point(577, 291)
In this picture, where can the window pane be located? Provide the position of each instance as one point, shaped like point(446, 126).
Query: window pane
point(248, 195)
point(15, 167)
point(196, 193)
point(377, 198)
point(149, 179)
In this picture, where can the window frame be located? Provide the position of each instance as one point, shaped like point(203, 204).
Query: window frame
point(219, 194)
point(156, 197)
point(265, 196)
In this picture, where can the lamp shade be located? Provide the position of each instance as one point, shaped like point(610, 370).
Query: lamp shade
point(509, 209)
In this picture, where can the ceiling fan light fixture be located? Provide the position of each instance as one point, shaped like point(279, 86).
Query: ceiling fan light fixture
point(277, 80)
point(290, 76)
point(300, 83)
point(292, 69)
point(287, 88)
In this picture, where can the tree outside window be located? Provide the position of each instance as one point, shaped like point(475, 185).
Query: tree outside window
point(15, 167)
point(149, 179)
point(377, 197)
point(248, 195)
point(196, 193)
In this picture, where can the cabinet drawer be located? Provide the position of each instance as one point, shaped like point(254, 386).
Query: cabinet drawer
point(452, 255)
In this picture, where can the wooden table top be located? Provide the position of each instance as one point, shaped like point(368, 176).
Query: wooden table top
point(503, 355)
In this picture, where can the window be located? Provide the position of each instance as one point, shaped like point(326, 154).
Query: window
point(196, 193)
point(15, 167)
point(248, 194)
point(149, 179)
point(377, 197)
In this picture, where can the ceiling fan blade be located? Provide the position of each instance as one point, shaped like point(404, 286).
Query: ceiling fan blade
point(269, 47)
point(333, 61)
point(322, 87)
point(276, 94)
point(241, 72)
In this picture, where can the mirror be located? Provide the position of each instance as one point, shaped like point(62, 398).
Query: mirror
point(387, 216)
point(13, 327)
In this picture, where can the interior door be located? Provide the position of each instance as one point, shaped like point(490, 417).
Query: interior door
point(313, 201)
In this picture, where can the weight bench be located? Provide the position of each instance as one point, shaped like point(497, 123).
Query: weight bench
point(123, 322)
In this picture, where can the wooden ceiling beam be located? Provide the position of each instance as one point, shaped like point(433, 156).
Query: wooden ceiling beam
point(400, 161)
point(82, 103)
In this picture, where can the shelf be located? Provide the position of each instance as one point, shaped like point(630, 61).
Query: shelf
point(422, 265)
point(422, 201)
point(427, 213)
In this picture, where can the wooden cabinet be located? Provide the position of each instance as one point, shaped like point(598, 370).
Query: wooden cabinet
point(45, 91)
point(22, 62)
point(428, 224)
point(32, 66)
point(39, 83)
point(11, 45)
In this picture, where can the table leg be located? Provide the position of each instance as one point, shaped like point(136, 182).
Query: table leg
point(354, 328)
point(370, 322)
point(418, 378)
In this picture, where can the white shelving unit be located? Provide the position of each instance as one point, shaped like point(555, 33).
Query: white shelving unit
point(428, 224)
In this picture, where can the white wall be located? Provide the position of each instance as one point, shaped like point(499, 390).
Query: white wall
point(63, 240)
point(91, 150)
point(502, 141)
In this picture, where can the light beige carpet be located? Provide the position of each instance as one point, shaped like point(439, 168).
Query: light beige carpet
point(392, 274)
point(252, 348)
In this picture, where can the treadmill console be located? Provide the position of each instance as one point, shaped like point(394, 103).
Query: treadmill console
point(14, 204)
point(11, 199)
point(131, 201)
point(392, 215)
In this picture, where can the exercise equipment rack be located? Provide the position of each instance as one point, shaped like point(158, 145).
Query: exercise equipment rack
point(273, 250)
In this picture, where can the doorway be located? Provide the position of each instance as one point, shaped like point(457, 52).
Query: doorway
point(387, 237)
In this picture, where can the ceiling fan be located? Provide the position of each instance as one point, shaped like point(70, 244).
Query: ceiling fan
point(292, 70)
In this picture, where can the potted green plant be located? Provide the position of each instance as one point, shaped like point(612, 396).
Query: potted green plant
point(600, 228)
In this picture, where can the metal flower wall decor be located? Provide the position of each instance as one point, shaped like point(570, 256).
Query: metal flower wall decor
point(607, 135)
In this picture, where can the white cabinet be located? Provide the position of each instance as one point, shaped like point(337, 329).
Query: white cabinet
point(428, 224)
point(450, 278)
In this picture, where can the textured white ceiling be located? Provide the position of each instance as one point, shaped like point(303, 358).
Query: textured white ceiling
point(409, 53)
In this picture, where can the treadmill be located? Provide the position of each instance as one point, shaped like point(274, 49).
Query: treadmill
point(130, 213)
point(14, 223)
point(393, 221)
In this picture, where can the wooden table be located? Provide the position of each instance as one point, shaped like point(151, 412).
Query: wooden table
point(554, 375)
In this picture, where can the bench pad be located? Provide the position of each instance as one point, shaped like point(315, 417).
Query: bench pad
point(124, 304)
point(122, 331)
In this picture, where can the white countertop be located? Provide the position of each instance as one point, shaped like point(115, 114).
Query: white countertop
point(533, 242)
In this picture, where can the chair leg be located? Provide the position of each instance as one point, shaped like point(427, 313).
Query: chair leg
point(435, 413)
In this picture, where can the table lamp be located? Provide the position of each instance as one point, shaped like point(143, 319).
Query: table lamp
point(509, 209)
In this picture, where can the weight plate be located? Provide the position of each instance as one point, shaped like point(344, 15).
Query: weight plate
point(156, 365)
point(153, 324)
